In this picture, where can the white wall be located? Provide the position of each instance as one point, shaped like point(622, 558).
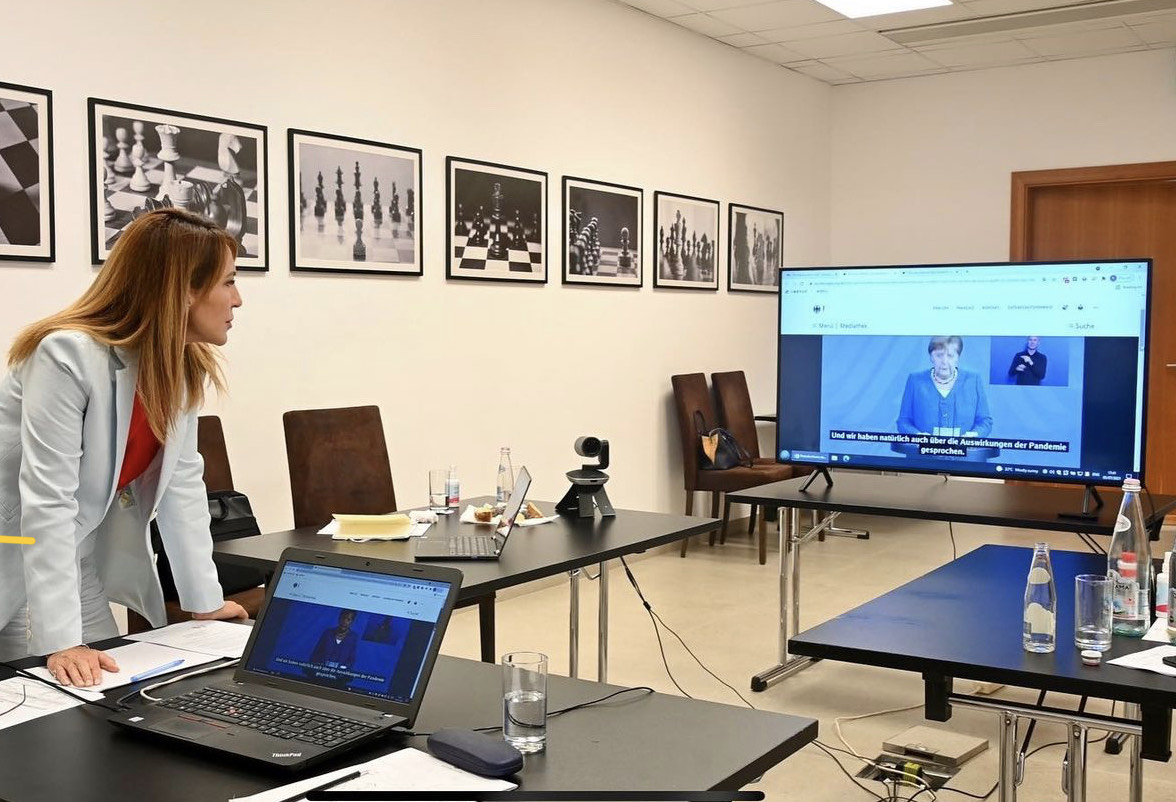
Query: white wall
point(922, 166)
point(581, 87)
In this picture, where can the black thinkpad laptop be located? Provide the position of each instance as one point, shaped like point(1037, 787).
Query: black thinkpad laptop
point(341, 653)
point(486, 545)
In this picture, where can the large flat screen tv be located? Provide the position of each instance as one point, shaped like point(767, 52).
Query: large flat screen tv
point(1032, 371)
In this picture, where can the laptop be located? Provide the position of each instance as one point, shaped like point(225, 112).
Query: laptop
point(471, 544)
point(341, 654)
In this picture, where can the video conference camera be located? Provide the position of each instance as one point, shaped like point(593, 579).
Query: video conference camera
point(587, 494)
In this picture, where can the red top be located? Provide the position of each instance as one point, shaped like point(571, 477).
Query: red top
point(142, 446)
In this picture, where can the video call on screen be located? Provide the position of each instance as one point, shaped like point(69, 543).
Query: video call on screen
point(1010, 371)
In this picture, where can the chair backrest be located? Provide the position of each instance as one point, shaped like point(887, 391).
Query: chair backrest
point(338, 463)
point(210, 442)
point(692, 395)
point(734, 404)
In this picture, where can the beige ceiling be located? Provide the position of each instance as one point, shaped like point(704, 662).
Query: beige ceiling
point(809, 38)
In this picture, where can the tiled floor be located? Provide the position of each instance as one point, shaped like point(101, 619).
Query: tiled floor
point(724, 605)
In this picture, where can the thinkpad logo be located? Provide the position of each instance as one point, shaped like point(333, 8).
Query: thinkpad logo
point(287, 754)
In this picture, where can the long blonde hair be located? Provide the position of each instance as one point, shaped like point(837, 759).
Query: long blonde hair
point(139, 301)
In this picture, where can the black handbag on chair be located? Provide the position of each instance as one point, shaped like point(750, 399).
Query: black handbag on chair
point(232, 517)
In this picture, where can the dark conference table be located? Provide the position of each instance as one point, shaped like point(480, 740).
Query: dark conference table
point(639, 741)
point(532, 552)
point(963, 620)
point(1028, 506)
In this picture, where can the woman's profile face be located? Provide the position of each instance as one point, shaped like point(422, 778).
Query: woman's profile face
point(211, 317)
point(944, 361)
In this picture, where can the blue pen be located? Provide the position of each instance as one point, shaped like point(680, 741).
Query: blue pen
point(151, 672)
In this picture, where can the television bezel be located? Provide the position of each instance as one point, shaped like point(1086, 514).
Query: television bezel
point(948, 468)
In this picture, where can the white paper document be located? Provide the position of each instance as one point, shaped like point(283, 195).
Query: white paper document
point(219, 638)
point(415, 530)
point(38, 700)
point(406, 770)
point(1149, 660)
point(1158, 631)
point(138, 658)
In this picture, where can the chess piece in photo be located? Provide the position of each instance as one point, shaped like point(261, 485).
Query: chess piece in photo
point(394, 208)
point(358, 181)
point(107, 172)
point(576, 255)
point(339, 177)
point(227, 148)
point(320, 201)
point(518, 239)
point(533, 233)
point(184, 197)
point(168, 134)
point(123, 164)
point(359, 251)
point(497, 244)
point(574, 218)
point(625, 258)
point(460, 228)
point(139, 182)
point(340, 205)
point(301, 201)
point(377, 209)
point(478, 230)
point(410, 207)
point(108, 210)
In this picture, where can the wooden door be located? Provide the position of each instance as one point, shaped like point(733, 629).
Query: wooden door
point(1115, 212)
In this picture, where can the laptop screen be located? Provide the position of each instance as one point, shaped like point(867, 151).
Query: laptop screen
point(349, 630)
point(517, 496)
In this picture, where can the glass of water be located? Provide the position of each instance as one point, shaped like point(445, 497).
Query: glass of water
point(438, 492)
point(1093, 596)
point(524, 700)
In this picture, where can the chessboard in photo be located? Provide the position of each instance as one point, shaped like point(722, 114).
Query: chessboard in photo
point(495, 222)
point(756, 250)
point(354, 205)
point(685, 242)
point(142, 158)
point(602, 234)
point(26, 174)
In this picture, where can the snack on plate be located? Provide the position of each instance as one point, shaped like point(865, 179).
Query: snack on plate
point(484, 513)
point(531, 511)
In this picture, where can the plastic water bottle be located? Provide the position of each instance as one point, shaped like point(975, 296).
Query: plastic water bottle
point(505, 477)
point(1162, 585)
point(1041, 604)
point(452, 489)
point(1171, 602)
point(1129, 566)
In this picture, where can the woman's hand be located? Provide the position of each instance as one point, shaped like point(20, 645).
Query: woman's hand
point(80, 666)
point(230, 610)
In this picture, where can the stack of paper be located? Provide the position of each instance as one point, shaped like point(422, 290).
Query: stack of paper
point(395, 526)
point(219, 638)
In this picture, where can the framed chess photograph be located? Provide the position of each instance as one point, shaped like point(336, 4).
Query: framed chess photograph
point(686, 241)
point(354, 205)
point(755, 250)
point(602, 233)
point(142, 158)
point(26, 174)
point(495, 221)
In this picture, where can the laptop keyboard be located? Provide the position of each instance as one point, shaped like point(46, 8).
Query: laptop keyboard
point(471, 544)
point(269, 717)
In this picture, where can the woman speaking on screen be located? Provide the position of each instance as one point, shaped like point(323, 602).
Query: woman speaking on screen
point(98, 434)
point(945, 400)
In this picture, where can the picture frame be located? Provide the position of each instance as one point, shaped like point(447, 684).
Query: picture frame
point(685, 242)
point(495, 222)
point(755, 248)
point(602, 233)
point(331, 234)
point(26, 174)
point(212, 166)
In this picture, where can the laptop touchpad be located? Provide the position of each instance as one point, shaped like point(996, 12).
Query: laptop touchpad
point(191, 729)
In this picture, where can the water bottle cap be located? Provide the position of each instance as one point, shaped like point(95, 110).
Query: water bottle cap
point(1091, 657)
point(1131, 485)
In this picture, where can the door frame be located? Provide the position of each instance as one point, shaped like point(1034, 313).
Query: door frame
point(1025, 182)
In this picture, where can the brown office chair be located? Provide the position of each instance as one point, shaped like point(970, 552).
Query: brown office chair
point(338, 462)
point(733, 401)
point(210, 442)
point(691, 395)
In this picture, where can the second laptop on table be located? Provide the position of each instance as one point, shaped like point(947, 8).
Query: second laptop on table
point(484, 545)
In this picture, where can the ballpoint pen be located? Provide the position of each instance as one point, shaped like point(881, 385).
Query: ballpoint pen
point(151, 672)
point(323, 787)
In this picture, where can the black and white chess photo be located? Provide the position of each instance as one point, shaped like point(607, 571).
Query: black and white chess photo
point(685, 242)
point(495, 222)
point(354, 205)
point(26, 173)
point(602, 233)
point(142, 158)
point(756, 251)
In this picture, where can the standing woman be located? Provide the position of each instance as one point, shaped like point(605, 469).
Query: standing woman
point(98, 435)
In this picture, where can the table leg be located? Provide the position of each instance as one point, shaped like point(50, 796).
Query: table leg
point(1008, 757)
point(486, 628)
point(574, 623)
point(1135, 789)
point(602, 625)
point(789, 522)
point(1074, 776)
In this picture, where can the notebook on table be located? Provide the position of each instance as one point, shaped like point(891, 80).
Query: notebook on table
point(486, 544)
point(341, 654)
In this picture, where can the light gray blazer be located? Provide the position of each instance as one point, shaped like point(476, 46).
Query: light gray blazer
point(64, 416)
